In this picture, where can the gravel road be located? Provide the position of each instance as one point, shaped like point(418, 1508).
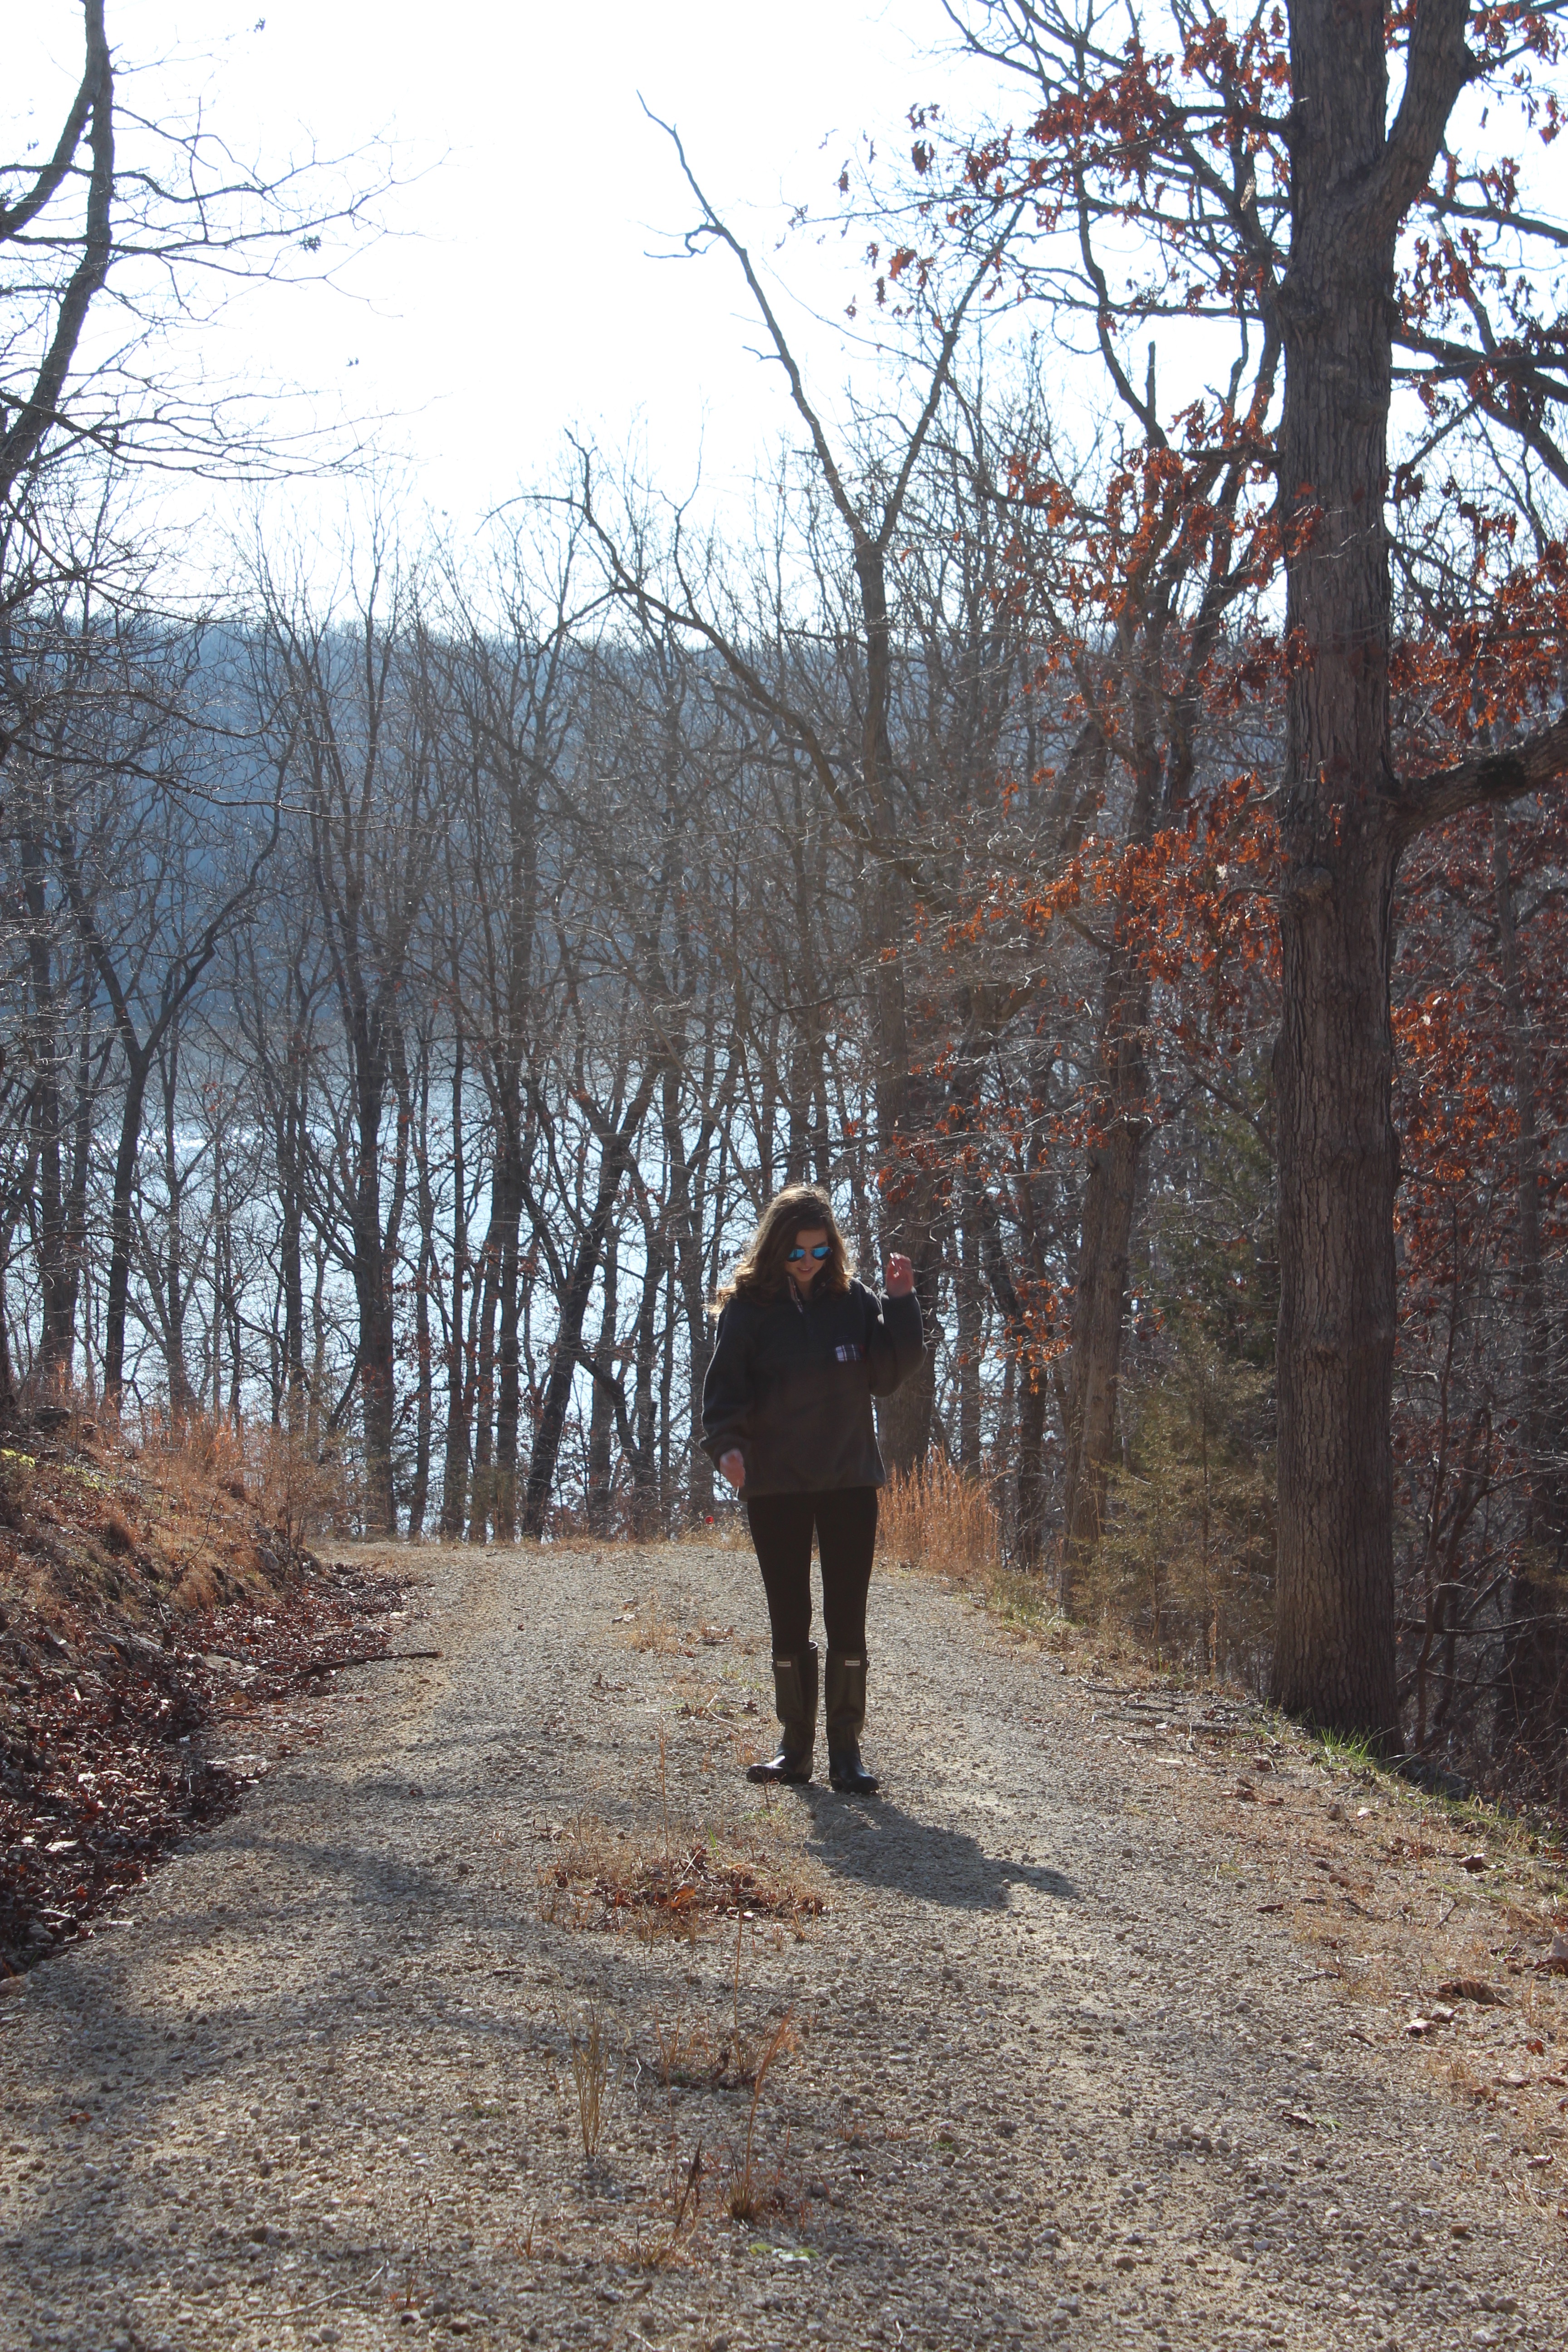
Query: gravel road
point(1051, 2065)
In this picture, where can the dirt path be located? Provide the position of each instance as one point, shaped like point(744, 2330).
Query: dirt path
point(1062, 2071)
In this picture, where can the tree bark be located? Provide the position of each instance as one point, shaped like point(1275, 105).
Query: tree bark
point(1352, 181)
point(1532, 1699)
point(481, 1496)
point(59, 1267)
point(602, 1410)
point(970, 1338)
point(137, 1066)
point(455, 1467)
point(1024, 1397)
point(617, 1146)
point(424, 1278)
point(1104, 1254)
point(509, 1215)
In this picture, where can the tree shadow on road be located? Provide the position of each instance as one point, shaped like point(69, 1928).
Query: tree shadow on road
point(880, 1844)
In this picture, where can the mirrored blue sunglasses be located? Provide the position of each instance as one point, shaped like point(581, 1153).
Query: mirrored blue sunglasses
point(823, 1249)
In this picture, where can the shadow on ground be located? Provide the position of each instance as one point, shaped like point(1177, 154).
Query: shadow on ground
point(882, 1845)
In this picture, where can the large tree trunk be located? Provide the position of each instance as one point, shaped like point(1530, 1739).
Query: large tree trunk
point(1532, 1700)
point(175, 1285)
point(291, 1119)
point(970, 1337)
point(686, 1225)
point(455, 1467)
point(1025, 1393)
point(602, 1408)
point(481, 1496)
point(425, 1275)
point(119, 1287)
point(58, 1273)
point(508, 1212)
point(645, 1460)
point(1334, 1650)
point(1334, 1647)
point(373, 1292)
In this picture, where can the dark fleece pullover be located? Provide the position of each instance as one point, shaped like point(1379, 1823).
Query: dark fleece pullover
point(791, 1382)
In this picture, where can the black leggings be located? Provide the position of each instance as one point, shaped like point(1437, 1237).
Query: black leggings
point(846, 1537)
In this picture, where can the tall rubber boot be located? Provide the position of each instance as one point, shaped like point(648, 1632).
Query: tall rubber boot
point(846, 1721)
point(794, 1696)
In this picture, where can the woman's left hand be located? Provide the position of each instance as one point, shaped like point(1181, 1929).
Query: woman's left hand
point(900, 1276)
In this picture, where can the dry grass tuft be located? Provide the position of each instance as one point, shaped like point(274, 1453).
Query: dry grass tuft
point(684, 2050)
point(197, 1589)
point(942, 1522)
point(652, 1630)
point(745, 2198)
point(940, 1519)
point(115, 1536)
point(589, 2055)
point(683, 2187)
point(299, 1486)
point(606, 1880)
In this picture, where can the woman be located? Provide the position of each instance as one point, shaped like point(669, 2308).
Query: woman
point(801, 1350)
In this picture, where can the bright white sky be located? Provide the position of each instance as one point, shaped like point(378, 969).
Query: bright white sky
point(517, 296)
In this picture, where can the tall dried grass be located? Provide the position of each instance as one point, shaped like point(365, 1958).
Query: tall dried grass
point(305, 1490)
point(942, 1519)
point(201, 1463)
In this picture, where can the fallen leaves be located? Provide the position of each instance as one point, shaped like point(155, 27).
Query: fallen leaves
point(607, 1885)
point(97, 1777)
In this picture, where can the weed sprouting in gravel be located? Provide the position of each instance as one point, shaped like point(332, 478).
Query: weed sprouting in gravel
point(652, 1630)
point(745, 2198)
point(684, 2177)
point(589, 2057)
point(685, 2049)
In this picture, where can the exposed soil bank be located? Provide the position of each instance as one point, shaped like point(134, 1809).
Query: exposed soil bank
point(144, 1597)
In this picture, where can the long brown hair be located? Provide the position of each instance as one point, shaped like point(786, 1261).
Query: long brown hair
point(764, 1267)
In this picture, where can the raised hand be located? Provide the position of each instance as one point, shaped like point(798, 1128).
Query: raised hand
point(900, 1276)
point(733, 1465)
